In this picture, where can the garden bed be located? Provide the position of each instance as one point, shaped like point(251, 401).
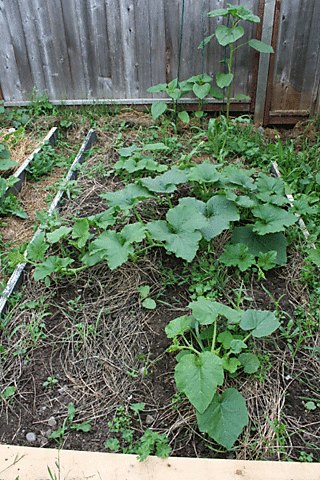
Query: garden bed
point(92, 340)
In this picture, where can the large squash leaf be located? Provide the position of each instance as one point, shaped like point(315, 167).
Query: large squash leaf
point(198, 376)
point(224, 418)
point(261, 243)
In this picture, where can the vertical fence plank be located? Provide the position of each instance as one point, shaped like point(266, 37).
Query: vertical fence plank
point(19, 46)
point(116, 50)
point(308, 54)
point(157, 42)
point(172, 11)
point(64, 77)
point(143, 46)
point(101, 60)
point(74, 49)
point(128, 38)
point(9, 70)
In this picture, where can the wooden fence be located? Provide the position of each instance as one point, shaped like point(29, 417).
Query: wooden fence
point(80, 51)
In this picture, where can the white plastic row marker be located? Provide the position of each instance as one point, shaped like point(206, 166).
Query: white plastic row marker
point(276, 171)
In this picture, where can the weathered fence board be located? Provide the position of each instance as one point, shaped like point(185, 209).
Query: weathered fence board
point(115, 49)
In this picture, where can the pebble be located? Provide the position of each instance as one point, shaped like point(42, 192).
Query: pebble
point(63, 389)
point(31, 437)
point(52, 422)
point(48, 432)
point(149, 419)
point(260, 129)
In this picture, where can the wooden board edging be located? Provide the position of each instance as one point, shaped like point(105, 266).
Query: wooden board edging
point(28, 463)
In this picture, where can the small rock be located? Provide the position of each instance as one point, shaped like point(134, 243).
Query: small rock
point(31, 437)
point(52, 422)
point(11, 130)
point(260, 129)
point(149, 419)
point(48, 432)
point(63, 389)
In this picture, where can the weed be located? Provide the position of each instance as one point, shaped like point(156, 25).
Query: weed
point(68, 424)
point(50, 383)
point(151, 443)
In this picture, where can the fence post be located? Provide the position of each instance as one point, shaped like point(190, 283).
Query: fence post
point(264, 62)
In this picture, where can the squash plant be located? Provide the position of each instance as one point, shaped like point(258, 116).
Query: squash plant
point(212, 341)
point(223, 198)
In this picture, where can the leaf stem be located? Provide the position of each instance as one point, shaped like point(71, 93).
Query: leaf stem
point(214, 335)
point(169, 201)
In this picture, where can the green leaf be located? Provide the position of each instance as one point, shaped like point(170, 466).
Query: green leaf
point(314, 256)
point(261, 322)
point(161, 87)
point(225, 338)
point(127, 151)
point(225, 418)
point(144, 291)
point(219, 212)
point(198, 376)
point(201, 91)
point(165, 183)
point(37, 248)
point(226, 35)
point(260, 46)
point(116, 247)
point(184, 116)
point(250, 362)
point(157, 109)
point(126, 198)
point(6, 163)
point(230, 364)
point(58, 234)
point(205, 173)
point(247, 15)
point(237, 345)
point(81, 231)
point(216, 93)
point(237, 256)
point(112, 246)
point(178, 326)
point(149, 304)
point(205, 41)
point(274, 219)
point(241, 96)
point(267, 261)
point(261, 243)
point(224, 79)
point(180, 231)
point(4, 153)
point(219, 12)
point(205, 312)
point(103, 219)
point(154, 147)
point(51, 264)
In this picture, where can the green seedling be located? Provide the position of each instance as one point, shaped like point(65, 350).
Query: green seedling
point(68, 424)
point(151, 443)
point(147, 302)
point(50, 382)
point(8, 393)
